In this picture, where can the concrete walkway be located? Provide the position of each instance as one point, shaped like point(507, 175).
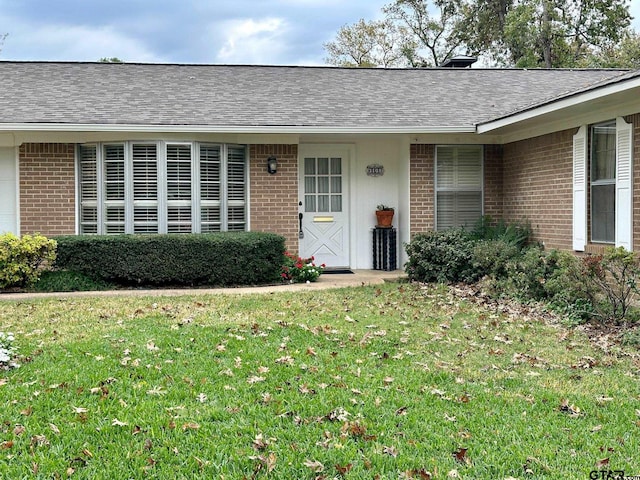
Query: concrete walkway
point(334, 280)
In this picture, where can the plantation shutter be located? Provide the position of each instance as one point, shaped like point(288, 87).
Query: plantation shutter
point(88, 194)
point(236, 187)
point(580, 189)
point(145, 188)
point(179, 188)
point(624, 184)
point(114, 188)
point(210, 218)
point(458, 186)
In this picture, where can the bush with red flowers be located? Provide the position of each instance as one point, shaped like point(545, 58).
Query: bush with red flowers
point(299, 270)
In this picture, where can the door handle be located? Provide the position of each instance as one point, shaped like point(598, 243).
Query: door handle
point(300, 232)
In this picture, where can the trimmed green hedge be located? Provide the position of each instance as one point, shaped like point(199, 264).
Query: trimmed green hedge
point(216, 259)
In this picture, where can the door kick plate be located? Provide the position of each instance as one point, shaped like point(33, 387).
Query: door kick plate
point(322, 219)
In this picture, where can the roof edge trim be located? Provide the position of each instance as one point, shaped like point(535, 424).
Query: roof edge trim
point(555, 105)
point(79, 127)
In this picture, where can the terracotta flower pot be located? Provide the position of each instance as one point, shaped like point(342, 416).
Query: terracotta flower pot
point(385, 218)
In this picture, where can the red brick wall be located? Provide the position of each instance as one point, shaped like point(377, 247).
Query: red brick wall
point(274, 198)
point(47, 188)
point(421, 188)
point(538, 186)
point(493, 181)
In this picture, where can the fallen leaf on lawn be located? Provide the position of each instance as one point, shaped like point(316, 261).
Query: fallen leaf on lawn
point(387, 380)
point(201, 397)
point(27, 411)
point(402, 411)
point(260, 443)
point(602, 463)
point(570, 409)
point(54, 429)
point(3, 381)
point(314, 465)
point(156, 391)
point(391, 450)
point(152, 346)
point(451, 418)
point(255, 379)
point(286, 360)
point(421, 474)
point(597, 428)
point(190, 426)
point(344, 469)
point(18, 430)
point(6, 445)
point(263, 370)
point(39, 440)
point(311, 351)
point(79, 410)
point(461, 455)
point(453, 474)
point(117, 423)
point(87, 453)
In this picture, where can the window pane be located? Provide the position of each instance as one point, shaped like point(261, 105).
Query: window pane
point(323, 166)
point(603, 152)
point(179, 172)
point(210, 172)
point(336, 184)
point(336, 166)
point(323, 184)
point(145, 172)
point(310, 184)
point(309, 166)
point(323, 203)
point(603, 213)
point(309, 203)
point(336, 203)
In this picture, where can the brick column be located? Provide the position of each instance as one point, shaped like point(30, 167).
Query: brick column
point(47, 188)
point(274, 198)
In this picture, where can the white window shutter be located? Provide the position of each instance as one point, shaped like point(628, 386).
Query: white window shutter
point(580, 189)
point(624, 184)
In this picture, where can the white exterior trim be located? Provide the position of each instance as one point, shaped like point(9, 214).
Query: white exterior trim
point(85, 127)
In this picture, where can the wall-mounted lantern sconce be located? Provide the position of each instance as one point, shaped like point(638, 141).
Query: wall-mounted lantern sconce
point(272, 164)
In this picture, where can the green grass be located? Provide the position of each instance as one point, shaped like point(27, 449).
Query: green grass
point(365, 382)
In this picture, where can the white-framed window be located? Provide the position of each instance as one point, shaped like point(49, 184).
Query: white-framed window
point(161, 187)
point(603, 182)
point(458, 185)
point(609, 164)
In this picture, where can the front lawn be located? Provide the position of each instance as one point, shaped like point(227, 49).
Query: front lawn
point(398, 381)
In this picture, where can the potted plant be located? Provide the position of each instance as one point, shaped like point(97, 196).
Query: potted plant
point(384, 214)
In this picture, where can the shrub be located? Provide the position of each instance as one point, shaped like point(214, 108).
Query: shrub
point(492, 257)
point(22, 259)
point(232, 258)
point(299, 270)
point(614, 279)
point(443, 256)
point(516, 234)
point(67, 281)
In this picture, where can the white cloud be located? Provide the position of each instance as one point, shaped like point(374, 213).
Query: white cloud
point(73, 42)
point(253, 41)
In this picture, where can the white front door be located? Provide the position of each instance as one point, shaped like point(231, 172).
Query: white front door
point(324, 202)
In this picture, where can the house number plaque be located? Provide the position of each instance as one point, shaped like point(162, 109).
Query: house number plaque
point(375, 170)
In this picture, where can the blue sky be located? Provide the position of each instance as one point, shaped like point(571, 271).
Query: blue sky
point(274, 32)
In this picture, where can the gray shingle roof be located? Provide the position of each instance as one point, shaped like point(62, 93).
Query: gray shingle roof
point(270, 96)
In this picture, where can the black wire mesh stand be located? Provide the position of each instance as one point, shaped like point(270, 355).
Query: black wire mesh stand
point(384, 249)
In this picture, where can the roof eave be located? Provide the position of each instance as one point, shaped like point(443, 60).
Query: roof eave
point(557, 105)
point(239, 129)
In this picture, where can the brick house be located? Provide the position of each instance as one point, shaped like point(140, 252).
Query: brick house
point(102, 148)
